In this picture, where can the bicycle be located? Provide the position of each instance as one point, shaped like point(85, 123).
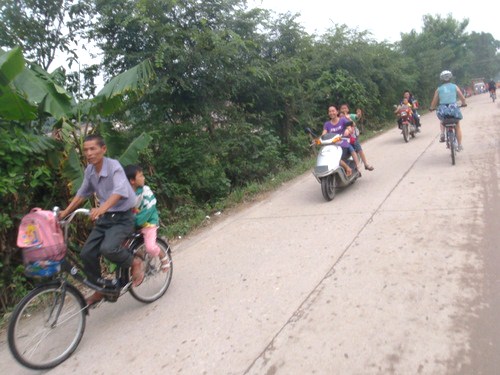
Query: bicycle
point(493, 95)
point(47, 325)
point(450, 124)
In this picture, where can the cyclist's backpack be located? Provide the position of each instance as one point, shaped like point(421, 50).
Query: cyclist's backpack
point(42, 242)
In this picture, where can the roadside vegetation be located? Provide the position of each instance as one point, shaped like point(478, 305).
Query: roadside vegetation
point(210, 97)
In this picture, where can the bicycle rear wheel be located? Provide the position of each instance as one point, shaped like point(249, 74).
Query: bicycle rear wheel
point(47, 326)
point(156, 282)
point(453, 145)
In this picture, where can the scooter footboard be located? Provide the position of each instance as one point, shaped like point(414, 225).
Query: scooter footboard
point(321, 171)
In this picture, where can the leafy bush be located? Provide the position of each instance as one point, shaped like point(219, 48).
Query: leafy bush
point(248, 153)
point(28, 181)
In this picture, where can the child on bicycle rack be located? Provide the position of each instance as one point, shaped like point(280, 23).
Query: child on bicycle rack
point(113, 218)
point(146, 214)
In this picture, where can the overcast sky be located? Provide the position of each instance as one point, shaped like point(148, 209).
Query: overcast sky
point(383, 18)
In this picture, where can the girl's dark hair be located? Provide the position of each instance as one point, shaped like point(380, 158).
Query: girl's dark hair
point(131, 171)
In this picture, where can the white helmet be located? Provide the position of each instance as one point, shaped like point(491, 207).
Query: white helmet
point(445, 75)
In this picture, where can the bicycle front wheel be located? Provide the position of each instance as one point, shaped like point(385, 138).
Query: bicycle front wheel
point(156, 280)
point(47, 326)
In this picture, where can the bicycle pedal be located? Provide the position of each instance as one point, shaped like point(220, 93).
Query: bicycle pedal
point(95, 305)
point(109, 283)
point(111, 298)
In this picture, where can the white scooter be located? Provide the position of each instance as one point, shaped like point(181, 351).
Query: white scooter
point(328, 171)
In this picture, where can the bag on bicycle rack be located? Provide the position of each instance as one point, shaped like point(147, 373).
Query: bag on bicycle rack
point(42, 242)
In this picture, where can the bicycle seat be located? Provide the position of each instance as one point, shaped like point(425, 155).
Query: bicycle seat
point(450, 121)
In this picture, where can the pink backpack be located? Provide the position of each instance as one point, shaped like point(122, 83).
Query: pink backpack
point(40, 237)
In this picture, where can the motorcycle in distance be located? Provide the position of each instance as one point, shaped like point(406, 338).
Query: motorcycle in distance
point(408, 127)
point(328, 170)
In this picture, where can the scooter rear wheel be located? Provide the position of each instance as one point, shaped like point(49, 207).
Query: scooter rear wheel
point(329, 186)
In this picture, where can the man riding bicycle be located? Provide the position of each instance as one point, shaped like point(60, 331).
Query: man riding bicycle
point(113, 218)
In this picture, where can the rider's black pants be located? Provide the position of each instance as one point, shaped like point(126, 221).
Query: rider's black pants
point(109, 232)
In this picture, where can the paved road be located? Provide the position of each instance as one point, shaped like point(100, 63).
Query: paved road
point(397, 275)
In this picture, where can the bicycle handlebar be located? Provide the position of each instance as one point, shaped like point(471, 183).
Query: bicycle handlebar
point(64, 222)
point(67, 219)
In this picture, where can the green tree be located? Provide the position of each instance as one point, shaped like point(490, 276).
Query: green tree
point(43, 27)
point(279, 94)
point(483, 59)
point(201, 51)
point(26, 156)
point(441, 45)
point(363, 72)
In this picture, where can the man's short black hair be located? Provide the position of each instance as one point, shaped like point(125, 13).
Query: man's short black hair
point(95, 137)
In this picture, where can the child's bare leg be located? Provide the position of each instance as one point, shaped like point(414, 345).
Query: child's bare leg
point(356, 160)
point(348, 170)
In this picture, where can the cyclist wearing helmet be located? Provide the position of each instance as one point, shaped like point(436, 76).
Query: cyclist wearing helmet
point(445, 98)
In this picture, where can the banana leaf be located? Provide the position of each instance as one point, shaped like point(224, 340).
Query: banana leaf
point(14, 107)
point(132, 82)
point(11, 64)
point(40, 88)
point(131, 154)
point(13, 104)
point(73, 170)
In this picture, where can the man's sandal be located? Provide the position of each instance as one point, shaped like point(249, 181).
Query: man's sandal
point(165, 263)
point(369, 167)
point(94, 299)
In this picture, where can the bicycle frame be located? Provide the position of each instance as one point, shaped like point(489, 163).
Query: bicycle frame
point(112, 288)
